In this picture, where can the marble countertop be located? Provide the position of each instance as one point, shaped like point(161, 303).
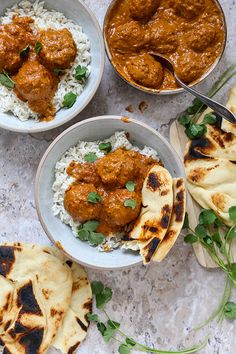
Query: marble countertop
point(158, 305)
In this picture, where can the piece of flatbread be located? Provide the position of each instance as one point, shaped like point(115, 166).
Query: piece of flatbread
point(152, 224)
point(176, 222)
point(36, 288)
point(74, 325)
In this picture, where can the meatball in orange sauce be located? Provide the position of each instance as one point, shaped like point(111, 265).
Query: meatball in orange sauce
point(116, 206)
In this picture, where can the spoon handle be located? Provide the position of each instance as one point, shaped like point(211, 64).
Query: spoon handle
point(217, 107)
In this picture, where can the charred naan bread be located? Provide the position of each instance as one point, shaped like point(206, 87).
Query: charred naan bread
point(74, 325)
point(176, 221)
point(36, 292)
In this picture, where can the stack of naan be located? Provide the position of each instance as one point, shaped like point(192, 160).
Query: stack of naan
point(162, 215)
point(210, 164)
point(44, 300)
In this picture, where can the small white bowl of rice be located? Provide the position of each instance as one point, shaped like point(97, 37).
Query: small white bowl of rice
point(52, 182)
point(75, 16)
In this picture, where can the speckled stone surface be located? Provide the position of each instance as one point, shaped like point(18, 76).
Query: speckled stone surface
point(157, 305)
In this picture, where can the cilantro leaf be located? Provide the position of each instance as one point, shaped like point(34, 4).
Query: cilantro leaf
point(130, 203)
point(69, 100)
point(124, 349)
point(190, 238)
point(101, 327)
point(209, 118)
point(91, 225)
point(103, 298)
point(231, 234)
point(207, 217)
point(83, 234)
point(130, 341)
point(80, 72)
point(208, 241)
point(195, 131)
point(96, 238)
point(38, 47)
point(92, 317)
point(107, 147)
point(130, 185)
point(217, 239)
point(232, 213)
point(94, 197)
point(186, 221)
point(197, 106)
point(90, 157)
point(200, 231)
point(6, 81)
point(113, 324)
point(97, 287)
point(230, 310)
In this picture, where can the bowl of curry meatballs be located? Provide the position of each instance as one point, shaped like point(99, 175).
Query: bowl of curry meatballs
point(190, 33)
point(51, 62)
point(110, 193)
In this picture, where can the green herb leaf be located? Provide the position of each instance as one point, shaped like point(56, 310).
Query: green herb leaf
point(186, 221)
point(130, 203)
point(130, 342)
point(107, 335)
point(217, 239)
point(96, 238)
point(233, 268)
point(232, 214)
point(6, 81)
point(91, 225)
point(230, 310)
point(209, 118)
point(208, 240)
point(90, 157)
point(124, 349)
point(97, 287)
point(113, 324)
point(94, 197)
point(101, 327)
point(184, 119)
point(38, 47)
point(196, 107)
point(231, 234)
point(92, 317)
point(195, 131)
point(200, 231)
point(58, 71)
point(69, 100)
point(130, 185)
point(103, 298)
point(107, 147)
point(207, 217)
point(83, 234)
point(190, 238)
point(80, 72)
point(24, 52)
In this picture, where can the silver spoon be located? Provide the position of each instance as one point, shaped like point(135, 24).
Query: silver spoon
point(218, 108)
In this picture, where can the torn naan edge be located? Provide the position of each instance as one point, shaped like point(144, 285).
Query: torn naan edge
point(152, 224)
point(74, 325)
point(39, 298)
point(212, 183)
point(176, 222)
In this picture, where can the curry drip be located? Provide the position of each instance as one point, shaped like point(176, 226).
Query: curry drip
point(108, 177)
point(189, 32)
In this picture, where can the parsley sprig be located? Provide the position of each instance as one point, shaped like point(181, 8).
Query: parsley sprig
point(189, 118)
point(110, 329)
point(217, 238)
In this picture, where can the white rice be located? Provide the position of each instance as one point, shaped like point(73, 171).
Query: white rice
point(45, 19)
point(63, 181)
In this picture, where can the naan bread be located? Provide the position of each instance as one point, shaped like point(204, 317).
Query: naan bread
point(74, 325)
point(36, 288)
point(152, 224)
point(176, 222)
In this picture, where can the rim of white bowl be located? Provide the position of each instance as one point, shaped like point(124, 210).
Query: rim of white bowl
point(47, 152)
point(71, 114)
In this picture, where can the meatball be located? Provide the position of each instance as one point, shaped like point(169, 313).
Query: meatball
point(35, 84)
point(143, 9)
point(189, 8)
point(145, 71)
point(163, 38)
point(201, 37)
point(76, 204)
point(116, 168)
point(189, 67)
point(85, 172)
point(58, 48)
point(128, 38)
point(114, 210)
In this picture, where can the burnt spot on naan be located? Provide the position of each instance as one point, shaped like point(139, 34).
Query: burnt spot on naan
point(165, 219)
point(220, 200)
point(81, 324)
point(179, 206)
point(55, 312)
point(7, 260)
point(1, 343)
point(69, 263)
point(180, 182)
point(46, 293)
point(88, 305)
point(195, 149)
point(6, 351)
point(151, 248)
point(7, 325)
point(32, 341)
point(220, 137)
point(73, 349)
point(27, 301)
point(20, 328)
point(199, 173)
point(153, 182)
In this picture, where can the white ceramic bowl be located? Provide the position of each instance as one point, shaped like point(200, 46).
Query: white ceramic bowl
point(80, 14)
point(97, 128)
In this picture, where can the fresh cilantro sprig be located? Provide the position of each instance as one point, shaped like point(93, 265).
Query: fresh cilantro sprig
point(217, 238)
point(189, 118)
point(110, 329)
point(87, 232)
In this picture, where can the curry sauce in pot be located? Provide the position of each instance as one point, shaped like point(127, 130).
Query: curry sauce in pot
point(191, 33)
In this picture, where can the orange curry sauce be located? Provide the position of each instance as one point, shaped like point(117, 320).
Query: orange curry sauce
point(189, 32)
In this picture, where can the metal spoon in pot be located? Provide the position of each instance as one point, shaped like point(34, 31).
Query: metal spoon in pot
point(218, 108)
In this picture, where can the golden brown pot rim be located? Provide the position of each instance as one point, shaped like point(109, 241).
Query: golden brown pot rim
point(163, 92)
